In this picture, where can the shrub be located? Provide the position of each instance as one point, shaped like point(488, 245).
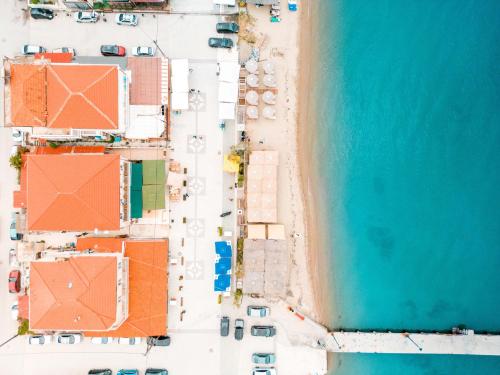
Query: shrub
point(24, 327)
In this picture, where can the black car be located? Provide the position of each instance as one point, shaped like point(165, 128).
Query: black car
point(220, 42)
point(41, 14)
point(156, 371)
point(239, 326)
point(227, 27)
point(224, 326)
point(105, 371)
point(224, 214)
point(159, 340)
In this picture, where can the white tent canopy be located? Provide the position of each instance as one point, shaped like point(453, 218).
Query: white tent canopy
point(180, 84)
point(269, 112)
point(268, 67)
point(226, 111)
point(252, 80)
point(252, 112)
point(252, 97)
point(225, 2)
point(180, 100)
point(268, 97)
point(269, 80)
point(228, 92)
point(229, 71)
point(251, 66)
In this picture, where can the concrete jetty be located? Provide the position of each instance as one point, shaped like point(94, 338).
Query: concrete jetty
point(466, 342)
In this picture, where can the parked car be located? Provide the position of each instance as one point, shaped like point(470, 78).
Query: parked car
point(224, 326)
point(264, 371)
point(143, 51)
point(258, 311)
point(263, 358)
point(14, 234)
point(17, 136)
point(224, 214)
point(129, 340)
point(65, 50)
point(31, 49)
point(239, 328)
point(102, 371)
point(13, 258)
point(41, 13)
point(69, 338)
point(227, 27)
point(15, 281)
point(14, 311)
point(112, 50)
point(127, 372)
point(86, 17)
point(265, 331)
point(39, 339)
point(156, 371)
point(220, 42)
point(159, 340)
point(101, 340)
point(127, 19)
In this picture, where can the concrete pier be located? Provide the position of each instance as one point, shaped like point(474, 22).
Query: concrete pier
point(413, 343)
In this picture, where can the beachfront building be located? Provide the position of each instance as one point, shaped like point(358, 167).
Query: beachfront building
point(67, 100)
point(75, 292)
point(74, 189)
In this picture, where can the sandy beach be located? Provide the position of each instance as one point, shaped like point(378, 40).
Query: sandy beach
point(288, 45)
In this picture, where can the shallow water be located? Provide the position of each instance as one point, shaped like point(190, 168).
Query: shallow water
point(407, 150)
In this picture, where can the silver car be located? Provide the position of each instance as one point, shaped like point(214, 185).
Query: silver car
point(127, 19)
point(30, 49)
point(69, 338)
point(40, 339)
point(86, 17)
point(264, 371)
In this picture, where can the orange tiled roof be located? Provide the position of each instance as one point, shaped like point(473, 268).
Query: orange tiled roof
point(28, 94)
point(65, 96)
point(76, 294)
point(58, 57)
point(147, 314)
point(73, 192)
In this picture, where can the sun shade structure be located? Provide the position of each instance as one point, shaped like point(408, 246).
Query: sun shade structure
point(78, 293)
point(63, 96)
point(73, 192)
point(153, 188)
point(147, 300)
point(262, 187)
point(223, 249)
point(222, 283)
point(180, 84)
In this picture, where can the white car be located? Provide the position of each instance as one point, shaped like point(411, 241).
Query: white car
point(143, 51)
point(129, 340)
point(40, 339)
point(101, 340)
point(69, 338)
point(126, 19)
point(264, 371)
point(65, 50)
point(31, 49)
point(86, 17)
point(258, 311)
point(14, 311)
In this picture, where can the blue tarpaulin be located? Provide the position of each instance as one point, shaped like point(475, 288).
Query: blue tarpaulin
point(223, 248)
point(222, 282)
point(222, 266)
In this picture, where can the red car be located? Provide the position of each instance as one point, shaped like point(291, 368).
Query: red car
point(112, 50)
point(15, 281)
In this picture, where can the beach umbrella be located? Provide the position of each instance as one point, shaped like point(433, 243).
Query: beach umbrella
point(268, 67)
point(252, 97)
point(269, 112)
point(251, 66)
point(252, 112)
point(252, 80)
point(268, 97)
point(223, 249)
point(269, 80)
point(222, 266)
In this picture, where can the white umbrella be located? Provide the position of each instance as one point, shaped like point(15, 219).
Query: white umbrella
point(269, 112)
point(252, 112)
point(269, 80)
point(268, 97)
point(268, 67)
point(251, 66)
point(252, 97)
point(252, 80)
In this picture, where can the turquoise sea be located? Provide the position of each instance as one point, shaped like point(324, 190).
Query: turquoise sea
point(407, 155)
